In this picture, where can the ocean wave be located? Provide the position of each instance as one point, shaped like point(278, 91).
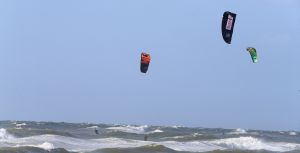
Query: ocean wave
point(153, 148)
point(86, 145)
point(134, 129)
point(21, 124)
point(45, 146)
point(31, 150)
point(4, 135)
point(251, 143)
point(192, 146)
point(130, 129)
point(92, 127)
point(176, 126)
point(49, 142)
point(176, 137)
point(183, 136)
point(156, 131)
point(293, 133)
point(238, 131)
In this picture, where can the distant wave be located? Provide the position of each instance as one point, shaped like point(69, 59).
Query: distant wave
point(156, 131)
point(238, 131)
point(176, 126)
point(130, 129)
point(134, 129)
point(18, 125)
point(293, 133)
point(93, 127)
point(183, 136)
point(21, 124)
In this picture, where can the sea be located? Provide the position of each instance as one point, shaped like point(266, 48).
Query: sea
point(62, 137)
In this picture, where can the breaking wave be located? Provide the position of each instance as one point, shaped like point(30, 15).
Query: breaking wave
point(238, 131)
point(4, 135)
point(250, 143)
point(130, 129)
point(292, 133)
point(93, 127)
point(194, 135)
point(134, 129)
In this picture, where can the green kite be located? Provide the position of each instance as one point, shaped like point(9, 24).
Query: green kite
point(253, 54)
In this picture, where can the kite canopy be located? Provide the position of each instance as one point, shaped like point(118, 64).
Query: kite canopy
point(145, 61)
point(253, 54)
point(227, 26)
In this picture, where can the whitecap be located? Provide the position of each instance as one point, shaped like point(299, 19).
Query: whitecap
point(45, 146)
point(174, 137)
point(196, 134)
point(176, 126)
point(292, 133)
point(130, 129)
point(183, 136)
point(238, 131)
point(251, 143)
point(156, 131)
point(4, 135)
point(21, 124)
point(92, 127)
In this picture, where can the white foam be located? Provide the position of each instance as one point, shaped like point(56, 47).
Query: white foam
point(292, 133)
point(84, 145)
point(176, 126)
point(134, 129)
point(46, 146)
point(21, 124)
point(49, 142)
point(92, 127)
point(238, 131)
point(193, 146)
point(196, 134)
point(4, 135)
point(130, 129)
point(183, 136)
point(250, 143)
point(156, 131)
point(175, 137)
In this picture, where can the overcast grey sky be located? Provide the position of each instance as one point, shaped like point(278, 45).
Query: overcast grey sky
point(78, 61)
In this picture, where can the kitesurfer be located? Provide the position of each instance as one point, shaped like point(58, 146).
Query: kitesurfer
point(145, 137)
point(96, 131)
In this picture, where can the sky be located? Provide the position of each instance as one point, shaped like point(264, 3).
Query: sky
point(78, 61)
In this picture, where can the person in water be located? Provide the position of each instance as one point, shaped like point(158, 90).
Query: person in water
point(96, 131)
point(145, 137)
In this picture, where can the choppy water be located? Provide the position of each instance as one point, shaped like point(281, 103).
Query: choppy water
point(45, 137)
